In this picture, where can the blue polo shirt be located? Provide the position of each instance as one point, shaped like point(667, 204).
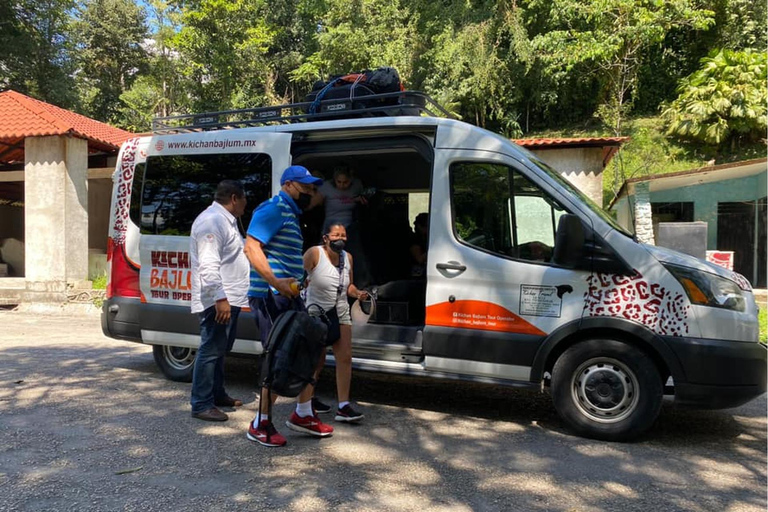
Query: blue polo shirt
point(275, 223)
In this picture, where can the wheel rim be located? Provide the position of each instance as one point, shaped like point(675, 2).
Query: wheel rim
point(605, 390)
point(179, 358)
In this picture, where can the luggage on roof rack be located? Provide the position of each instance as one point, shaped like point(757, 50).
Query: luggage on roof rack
point(403, 103)
point(357, 85)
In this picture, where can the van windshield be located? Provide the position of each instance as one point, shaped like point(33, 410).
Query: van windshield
point(578, 193)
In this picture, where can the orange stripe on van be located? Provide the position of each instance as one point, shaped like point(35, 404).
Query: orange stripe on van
point(481, 315)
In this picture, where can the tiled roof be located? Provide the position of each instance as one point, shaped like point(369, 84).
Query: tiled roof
point(564, 142)
point(22, 116)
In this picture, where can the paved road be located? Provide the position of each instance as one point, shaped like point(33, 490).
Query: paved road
point(89, 423)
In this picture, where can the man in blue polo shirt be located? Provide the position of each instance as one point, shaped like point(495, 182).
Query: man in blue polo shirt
point(273, 247)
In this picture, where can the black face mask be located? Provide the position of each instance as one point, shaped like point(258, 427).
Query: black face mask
point(303, 201)
point(337, 245)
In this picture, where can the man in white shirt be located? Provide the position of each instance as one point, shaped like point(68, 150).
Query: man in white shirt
point(220, 282)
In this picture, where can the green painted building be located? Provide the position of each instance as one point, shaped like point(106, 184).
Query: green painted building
point(730, 198)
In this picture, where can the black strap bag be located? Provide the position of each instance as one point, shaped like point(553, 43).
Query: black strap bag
point(293, 350)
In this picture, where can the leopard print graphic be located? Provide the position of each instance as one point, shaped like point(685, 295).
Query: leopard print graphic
point(633, 298)
point(124, 183)
point(742, 282)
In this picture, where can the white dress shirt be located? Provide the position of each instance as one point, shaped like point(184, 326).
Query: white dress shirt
point(220, 269)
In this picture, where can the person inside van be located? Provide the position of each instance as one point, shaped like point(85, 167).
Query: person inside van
point(274, 249)
point(419, 245)
point(340, 195)
point(219, 290)
point(329, 268)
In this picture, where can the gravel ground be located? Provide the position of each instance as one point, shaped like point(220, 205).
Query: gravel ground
point(89, 423)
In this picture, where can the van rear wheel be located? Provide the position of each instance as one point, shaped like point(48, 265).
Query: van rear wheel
point(606, 389)
point(176, 363)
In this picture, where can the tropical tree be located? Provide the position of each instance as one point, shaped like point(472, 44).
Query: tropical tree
point(353, 35)
point(36, 53)
point(609, 38)
point(161, 90)
point(222, 47)
point(109, 35)
point(724, 102)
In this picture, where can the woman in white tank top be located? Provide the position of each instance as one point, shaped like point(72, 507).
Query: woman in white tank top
point(329, 287)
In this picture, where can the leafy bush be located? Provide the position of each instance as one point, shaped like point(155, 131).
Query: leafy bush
point(723, 102)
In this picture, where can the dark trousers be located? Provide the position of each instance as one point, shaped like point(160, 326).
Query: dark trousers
point(215, 341)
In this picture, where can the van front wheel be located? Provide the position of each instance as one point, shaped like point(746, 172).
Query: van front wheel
point(176, 363)
point(606, 389)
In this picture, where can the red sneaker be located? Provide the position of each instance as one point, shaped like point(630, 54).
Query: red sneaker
point(310, 425)
point(266, 434)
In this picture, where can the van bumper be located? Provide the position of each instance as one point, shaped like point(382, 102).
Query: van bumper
point(120, 318)
point(719, 373)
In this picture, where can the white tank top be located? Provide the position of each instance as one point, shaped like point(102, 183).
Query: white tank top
point(324, 283)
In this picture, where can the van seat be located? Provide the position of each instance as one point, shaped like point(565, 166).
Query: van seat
point(401, 302)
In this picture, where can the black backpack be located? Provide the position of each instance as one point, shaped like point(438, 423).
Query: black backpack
point(355, 86)
point(293, 349)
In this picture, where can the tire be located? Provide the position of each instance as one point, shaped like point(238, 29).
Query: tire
point(606, 389)
point(176, 363)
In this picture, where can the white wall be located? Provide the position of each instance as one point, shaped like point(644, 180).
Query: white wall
point(583, 167)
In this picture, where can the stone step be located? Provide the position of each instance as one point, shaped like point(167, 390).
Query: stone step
point(11, 289)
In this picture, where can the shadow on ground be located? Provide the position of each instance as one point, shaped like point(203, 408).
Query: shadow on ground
point(92, 424)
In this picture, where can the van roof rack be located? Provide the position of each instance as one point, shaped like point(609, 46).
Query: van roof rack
point(405, 103)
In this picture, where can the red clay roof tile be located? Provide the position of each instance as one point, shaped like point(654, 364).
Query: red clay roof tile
point(579, 141)
point(23, 116)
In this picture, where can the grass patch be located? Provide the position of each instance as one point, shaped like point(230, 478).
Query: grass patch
point(100, 282)
point(762, 319)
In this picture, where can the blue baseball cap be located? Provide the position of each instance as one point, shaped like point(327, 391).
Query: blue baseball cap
point(300, 174)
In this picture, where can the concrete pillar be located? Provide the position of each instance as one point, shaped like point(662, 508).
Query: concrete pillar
point(56, 216)
point(643, 213)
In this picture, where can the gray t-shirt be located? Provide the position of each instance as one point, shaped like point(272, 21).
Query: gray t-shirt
point(340, 204)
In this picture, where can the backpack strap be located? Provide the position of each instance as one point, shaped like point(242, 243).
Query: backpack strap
point(339, 289)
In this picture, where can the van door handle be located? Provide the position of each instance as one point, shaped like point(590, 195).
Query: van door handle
point(452, 265)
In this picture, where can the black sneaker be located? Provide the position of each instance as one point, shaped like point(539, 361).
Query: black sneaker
point(348, 414)
point(320, 407)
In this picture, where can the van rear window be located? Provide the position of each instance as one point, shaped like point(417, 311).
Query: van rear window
point(177, 188)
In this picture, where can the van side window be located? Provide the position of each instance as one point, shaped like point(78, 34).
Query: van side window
point(178, 187)
point(497, 209)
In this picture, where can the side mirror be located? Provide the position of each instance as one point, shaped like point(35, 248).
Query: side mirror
point(569, 241)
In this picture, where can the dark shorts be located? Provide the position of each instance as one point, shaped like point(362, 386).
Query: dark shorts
point(267, 309)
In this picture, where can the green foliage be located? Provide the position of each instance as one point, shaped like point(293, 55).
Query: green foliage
point(742, 24)
point(223, 46)
point(36, 53)
point(99, 282)
point(109, 36)
point(762, 319)
point(360, 34)
point(608, 38)
point(724, 102)
point(512, 66)
point(140, 104)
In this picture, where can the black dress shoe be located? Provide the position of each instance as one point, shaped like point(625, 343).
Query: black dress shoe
point(212, 414)
point(228, 401)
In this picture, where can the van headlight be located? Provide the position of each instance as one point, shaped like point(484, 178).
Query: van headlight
point(708, 289)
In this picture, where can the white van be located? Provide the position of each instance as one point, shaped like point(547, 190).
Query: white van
point(527, 282)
